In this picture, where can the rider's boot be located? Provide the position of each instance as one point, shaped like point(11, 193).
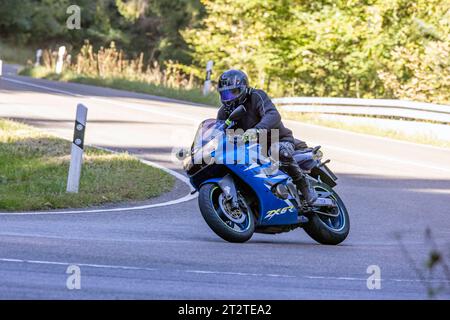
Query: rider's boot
point(301, 182)
point(307, 190)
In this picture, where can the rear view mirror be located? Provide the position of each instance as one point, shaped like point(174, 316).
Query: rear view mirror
point(182, 153)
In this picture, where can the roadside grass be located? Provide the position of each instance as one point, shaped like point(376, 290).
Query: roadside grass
point(367, 129)
point(15, 54)
point(34, 167)
point(191, 95)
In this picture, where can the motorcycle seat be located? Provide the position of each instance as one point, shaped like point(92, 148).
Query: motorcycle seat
point(305, 160)
point(302, 156)
point(297, 151)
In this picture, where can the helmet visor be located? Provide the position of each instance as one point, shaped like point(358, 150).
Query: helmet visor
point(229, 94)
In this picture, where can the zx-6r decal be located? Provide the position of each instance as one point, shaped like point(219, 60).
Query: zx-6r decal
point(270, 214)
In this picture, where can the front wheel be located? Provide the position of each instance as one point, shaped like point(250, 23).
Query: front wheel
point(236, 225)
point(332, 228)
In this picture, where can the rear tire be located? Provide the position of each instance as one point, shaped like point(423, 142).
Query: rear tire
point(331, 232)
point(208, 201)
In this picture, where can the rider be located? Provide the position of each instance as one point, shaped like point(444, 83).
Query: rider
point(261, 114)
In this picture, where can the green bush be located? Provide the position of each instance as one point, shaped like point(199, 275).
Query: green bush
point(352, 48)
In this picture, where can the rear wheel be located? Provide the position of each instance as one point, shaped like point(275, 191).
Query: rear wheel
point(236, 225)
point(332, 228)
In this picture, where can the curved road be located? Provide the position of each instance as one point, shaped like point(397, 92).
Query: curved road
point(390, 188)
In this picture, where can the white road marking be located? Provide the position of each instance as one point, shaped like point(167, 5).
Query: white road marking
point(206, 272)
point(387, 279)
point(47, 236)
point(145, 109)
point(370, 136)
point(431, 190)
point(65, 238)
point(43, 87)
point(186, 198)
point(238, 273)
point(78, 264)
point(126, 105)
point(388, 159)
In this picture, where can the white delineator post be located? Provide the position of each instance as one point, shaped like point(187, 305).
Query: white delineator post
point(59, 62)
point(38, 57)
point(1, 67)
point(207, 85)
point(76, 156)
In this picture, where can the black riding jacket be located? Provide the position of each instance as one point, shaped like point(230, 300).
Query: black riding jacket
point(261, 114)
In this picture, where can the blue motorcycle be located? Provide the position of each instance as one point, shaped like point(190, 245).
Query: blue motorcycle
point(238, 197)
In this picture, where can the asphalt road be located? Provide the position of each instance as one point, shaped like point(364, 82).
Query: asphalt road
point(389, 187)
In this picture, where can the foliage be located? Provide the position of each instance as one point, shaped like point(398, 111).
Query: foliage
point(426, 271)
point(145, 26)
point(354, 48)
point(111, 62)
point(351, 48)
point(14, 54)
point(428, 70)
point(110, 67)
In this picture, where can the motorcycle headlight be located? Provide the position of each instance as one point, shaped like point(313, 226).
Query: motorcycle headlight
point(203, 155)
point(210, 146)
point(187, 163)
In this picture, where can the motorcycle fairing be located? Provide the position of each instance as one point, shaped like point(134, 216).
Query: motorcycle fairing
point(272, 210)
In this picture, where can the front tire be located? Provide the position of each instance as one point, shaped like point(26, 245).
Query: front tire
point(210, 201)
point(328, 230)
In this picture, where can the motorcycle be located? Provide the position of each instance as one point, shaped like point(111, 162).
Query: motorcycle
point(239, 198)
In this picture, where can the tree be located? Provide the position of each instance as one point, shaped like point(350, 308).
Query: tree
point(138, 26)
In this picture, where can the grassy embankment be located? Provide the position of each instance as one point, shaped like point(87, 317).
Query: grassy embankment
point(191, 95)
point(34, 167)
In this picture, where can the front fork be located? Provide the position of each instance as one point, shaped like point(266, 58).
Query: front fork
point(228, 187)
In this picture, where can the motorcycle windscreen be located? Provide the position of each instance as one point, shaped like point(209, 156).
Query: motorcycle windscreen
point(208, 130)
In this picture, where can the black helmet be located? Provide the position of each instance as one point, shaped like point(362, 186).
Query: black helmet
point(233, 85)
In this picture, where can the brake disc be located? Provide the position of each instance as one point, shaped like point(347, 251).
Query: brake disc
point(235, 215)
